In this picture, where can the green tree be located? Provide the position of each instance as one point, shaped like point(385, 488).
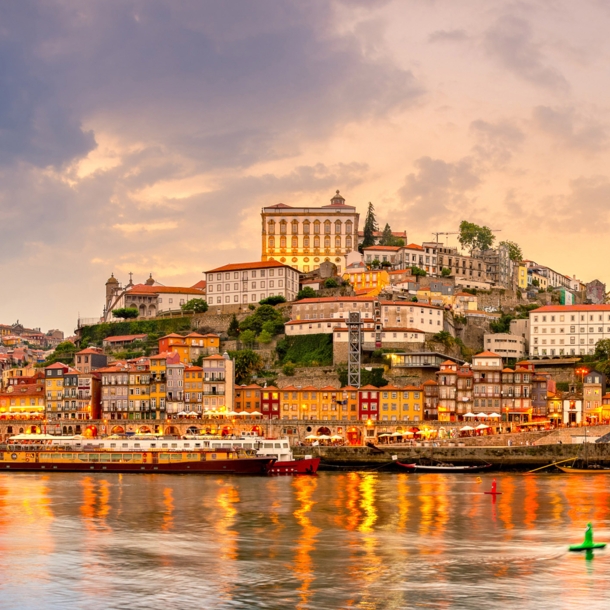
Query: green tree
point(535, 282)
point(288, 369)
point(444, 338)
point(387, 239)
point(306, 293)
point(370, 227)
point(386, 264)
point(602, 349)
point(514, 250)
point(265, 337)
point(233, 330)
point(331, 282)
point(127, 313)
point(195, 306)
point(472, 236)
point(64, 352)
point(265, 313)
point(247, 337)
point(445, 272)
point(502, 324)
point(247, 363)
point(375, 264)
point(418, 272)
point(274, 300)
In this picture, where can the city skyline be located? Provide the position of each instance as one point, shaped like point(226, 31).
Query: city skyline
point(146, 137)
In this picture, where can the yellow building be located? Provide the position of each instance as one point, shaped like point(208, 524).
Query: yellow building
point(139, 391)
point(522, 276)
point(401, 403)
point(54, 388)
point(25, 371)
point(367, 282)
point(543, 282)
point(202, 344)
point(175, 343)
point(193, 389)
point(158, 384)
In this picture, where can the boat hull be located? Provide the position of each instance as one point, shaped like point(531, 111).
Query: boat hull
point(446, 469)
point(293, 467)
point(569, 470)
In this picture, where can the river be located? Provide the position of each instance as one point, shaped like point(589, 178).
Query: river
point(350, 540)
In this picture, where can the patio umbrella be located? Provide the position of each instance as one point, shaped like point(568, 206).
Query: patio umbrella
point(323, 437)
point(384, 434)
point(396, 434)
point(481, 427)
point(494, 415)
point(256, 413)
point(311, 437)
point(244, 413)
point(466, 428)
point(231, 413)
point(183, 413)
point(336, 437)
point(470, 415)
point(482, 415)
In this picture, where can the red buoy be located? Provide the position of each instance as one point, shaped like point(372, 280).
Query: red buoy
point(493, 491)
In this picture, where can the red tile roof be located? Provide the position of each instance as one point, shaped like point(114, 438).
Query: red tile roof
point(144, 289)
point(487, 355)
point(200, 285)
point(560, 308)
point(383, 248)
point(414, 247)
point(120, 338)
point(246, 266)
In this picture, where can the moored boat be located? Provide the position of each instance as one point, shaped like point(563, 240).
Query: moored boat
point(444, 468)
point(588, 470)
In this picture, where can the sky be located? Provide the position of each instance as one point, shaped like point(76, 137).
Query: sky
point(145, 136)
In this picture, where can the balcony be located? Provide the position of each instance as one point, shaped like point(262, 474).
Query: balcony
point(214, 393)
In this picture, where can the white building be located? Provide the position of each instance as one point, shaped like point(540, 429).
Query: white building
point(244, 283)
point(218, 383)
point(304, 237)
point(568, 330)
point(505, 345)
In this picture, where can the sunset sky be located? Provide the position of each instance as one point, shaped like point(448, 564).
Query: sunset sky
point(145, 136)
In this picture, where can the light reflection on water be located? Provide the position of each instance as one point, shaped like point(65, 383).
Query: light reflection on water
point(355, 540)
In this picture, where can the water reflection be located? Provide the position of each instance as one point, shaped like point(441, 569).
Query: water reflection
point(359, 540)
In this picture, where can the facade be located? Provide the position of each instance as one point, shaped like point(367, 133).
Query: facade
point(594, 388)
point(241, 284)
point(174, 399)
point(571, 408)
point(54, 385)
point(368, 403)
point(505, 344)
point(90, 359)
point(568, 330)
point(248, 398)
point(304, 237)
point(461, 266)
point(522, 276)
point(270, 402)
point(115, 391)
point(386, 256)
point(123, 340)
point(218, 383)
point(377, 235)
point(24, 401)
point(193, 389)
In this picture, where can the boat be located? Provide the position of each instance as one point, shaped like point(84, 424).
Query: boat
point(443, 467)
point(44, 455)
point(591, 469)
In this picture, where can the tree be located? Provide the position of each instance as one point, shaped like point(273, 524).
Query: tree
point(265, 313)
point(445, 272)
point(387, 239)
point(602, 349)
point(247, 337)
point(418, 272)
point(127, 313)
point(514, 250)
point(233, 330)
point(331, 282)
point(472, 236)
point(370, 227)
point(64, 352)
point(288, 369)
point(444, 338)
point(386, 264)
point(265, 337)
point(274, 300)
point(502, 324)
point(247, 363)
point(195, 306)
point(376, 264)
point(306, 293)
point(535, 282)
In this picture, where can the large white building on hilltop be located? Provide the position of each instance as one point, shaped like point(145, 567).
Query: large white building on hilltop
point(304, 237)
point(568, 330)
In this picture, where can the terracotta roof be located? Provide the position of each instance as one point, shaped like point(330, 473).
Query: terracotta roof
point(450, 362)
point(309, 388)
point(212, 335)
point(89, 350)
point(349, 388)
point(430, 382)
point(200, 285)
point(507, 370)
point(172, 336)
point(214, 357)
point(144, 289)
point(290, 388)
point(57, 365)
point(487, 355)
point(384, 248)
point(279, 205)
point(560, 308)
point(192, 335)
point(193, 368)
point(246, 266)
point(369, 387)
point(120, 338)
point(414, 247)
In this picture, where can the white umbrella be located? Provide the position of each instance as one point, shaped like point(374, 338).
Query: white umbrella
point(480, 427)
point(183, 413)
point(482, 415)
point(336, 437)
point(465, 428)
point(384, 434)
point(396, 434)
point(323, 437)
point(470, 415)
point(494, 415)
point(256, 413)
point(311, 437)
point(244, 413)
point(231, 413)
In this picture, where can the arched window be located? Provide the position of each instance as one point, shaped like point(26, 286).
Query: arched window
point(295, 227)
point(306, 242)
point(316, 227)
point(271, 227)
point(316, 242)
point(272, 242)
point(337, 242)
point(338, 227)
point(282, 242)
point(348, 227)
point(295, 242)
point(283, 227)
point(327, 227)
point(348, 243)
point(327, 242)
point(306, 227)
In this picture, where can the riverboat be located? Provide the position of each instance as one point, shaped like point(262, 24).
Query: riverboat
point(448, 468)
point(591, 469)
point(44, 455)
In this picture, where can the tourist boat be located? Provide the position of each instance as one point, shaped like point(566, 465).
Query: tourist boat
point(443, 467)
point(45, 453)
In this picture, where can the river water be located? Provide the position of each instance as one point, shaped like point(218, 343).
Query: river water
point(350, 540)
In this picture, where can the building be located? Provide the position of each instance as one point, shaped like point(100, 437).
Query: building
point(115, 391)
point(193, 389)
point(90, 359)
point(425, 257)
point(218, 383)
point(174, 397)
point(248, 398)
point(595, 292)
point(54, 385)
point(522, 276)
point(240, 284)
point(571, 408)
point(25, 401)
point(377, 235)
point(123, 340)
point(594, 388)
point(365, 281)
point(384, 256)
point(368, 403)
point(139, 404)
point(190, 347)
point(461, 266)
point(304, 237)
point(507, 345)
point(498, 266)
point(568, 330)
point(82, 395)
point(521, 328)
point(270, 402)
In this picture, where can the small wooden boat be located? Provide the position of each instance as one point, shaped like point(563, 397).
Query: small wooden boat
point(444, 467)
point(587, 470)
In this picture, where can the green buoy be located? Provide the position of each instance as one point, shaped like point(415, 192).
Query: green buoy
point(588, 543)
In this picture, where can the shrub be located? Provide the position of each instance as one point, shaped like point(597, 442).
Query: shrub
point(274, 300)
point(251, 306)
point(306, 350)
point(306, 293)
point(127, 313)
point(331, 282)
point(233, 330)
point(264, 314)
point(265, 337)
point(247, 337)
point(288, 369)
point(195, 306)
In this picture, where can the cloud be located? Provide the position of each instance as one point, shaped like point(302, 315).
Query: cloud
point(448, 36)
point(437, 187)
point(568, 127)
point(496, 142)
point(510, 41)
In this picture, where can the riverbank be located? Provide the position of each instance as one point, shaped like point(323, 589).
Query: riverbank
point(502, 458)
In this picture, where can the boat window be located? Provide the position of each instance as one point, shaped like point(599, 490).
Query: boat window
point(268, 445)
point(246, 445)
point(164, 445)
point(153, 445)
point(93, 457)
point(125, 445)
point(278, 445)
point(137, 457)
point(187, 444)
point(116, 457)
point(101, 445)
point(67, 456)
point(176, 456)
point(285, 445)
point(136, 445)
point(213, 456)
point(105, 457)
point(112, 445)
point(164, 456)
point(83, 457)
point(127, 457)
point(206, 444)
point(197, 444)
point(191, 456)
point(174, 445)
